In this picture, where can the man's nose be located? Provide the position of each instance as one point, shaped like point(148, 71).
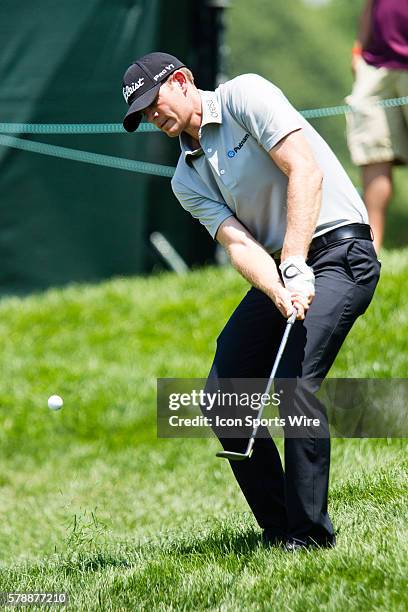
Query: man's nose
point(152, 114)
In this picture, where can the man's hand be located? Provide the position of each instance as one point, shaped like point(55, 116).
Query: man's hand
point(285, 301)
point(299, 280)
point(297, 276)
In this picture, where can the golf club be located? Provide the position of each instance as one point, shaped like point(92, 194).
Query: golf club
point(241, 456)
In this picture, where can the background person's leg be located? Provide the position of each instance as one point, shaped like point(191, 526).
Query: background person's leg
point(377, 193)
point(376, 137)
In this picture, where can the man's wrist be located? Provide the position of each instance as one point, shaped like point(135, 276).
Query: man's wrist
point(357, 49)
point(293, 258)
point(275, 283)
point(274, 287)
point(293, 251)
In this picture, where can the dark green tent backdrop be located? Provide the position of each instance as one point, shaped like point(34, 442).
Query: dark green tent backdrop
point(62, 62)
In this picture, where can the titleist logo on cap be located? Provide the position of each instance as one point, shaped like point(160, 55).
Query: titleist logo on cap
point(128, 90)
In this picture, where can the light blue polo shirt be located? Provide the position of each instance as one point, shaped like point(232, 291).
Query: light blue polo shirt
point(232, 173)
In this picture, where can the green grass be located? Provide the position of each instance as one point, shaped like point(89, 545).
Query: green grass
point(92, 503)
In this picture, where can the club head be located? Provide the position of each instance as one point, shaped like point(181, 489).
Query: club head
point(234, 456)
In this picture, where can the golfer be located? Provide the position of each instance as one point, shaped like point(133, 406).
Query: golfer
point(269, 189)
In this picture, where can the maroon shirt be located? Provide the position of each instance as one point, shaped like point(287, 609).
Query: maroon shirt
point(388, 43)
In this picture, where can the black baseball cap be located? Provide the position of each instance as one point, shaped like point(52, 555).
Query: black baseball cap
point(141, 84)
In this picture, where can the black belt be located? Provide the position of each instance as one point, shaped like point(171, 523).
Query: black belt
point(345, 232)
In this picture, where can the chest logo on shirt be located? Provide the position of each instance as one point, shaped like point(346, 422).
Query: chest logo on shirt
point(234, 151)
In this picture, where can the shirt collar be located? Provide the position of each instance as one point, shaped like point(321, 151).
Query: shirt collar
point(211, 113)
point(211, 110)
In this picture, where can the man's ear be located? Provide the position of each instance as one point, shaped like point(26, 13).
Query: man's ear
point(180, 79)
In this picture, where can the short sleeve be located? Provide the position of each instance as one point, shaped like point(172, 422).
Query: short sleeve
point(262, 109)
point(208, 211)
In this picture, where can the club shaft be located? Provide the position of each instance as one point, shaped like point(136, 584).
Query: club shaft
point(278, 358)
point(235, 456)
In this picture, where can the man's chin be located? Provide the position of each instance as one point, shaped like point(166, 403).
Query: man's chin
point(173, 131)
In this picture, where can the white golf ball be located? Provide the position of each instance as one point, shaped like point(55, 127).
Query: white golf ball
point(55, 402)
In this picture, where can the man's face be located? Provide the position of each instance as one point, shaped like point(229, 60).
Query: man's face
point(170, 111)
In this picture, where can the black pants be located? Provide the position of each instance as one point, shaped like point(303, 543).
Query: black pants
point(293, 502)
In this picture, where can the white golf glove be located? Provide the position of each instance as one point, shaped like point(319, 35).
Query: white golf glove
point(297, 276)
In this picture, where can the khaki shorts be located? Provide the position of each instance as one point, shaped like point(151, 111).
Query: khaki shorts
point(376, 134)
